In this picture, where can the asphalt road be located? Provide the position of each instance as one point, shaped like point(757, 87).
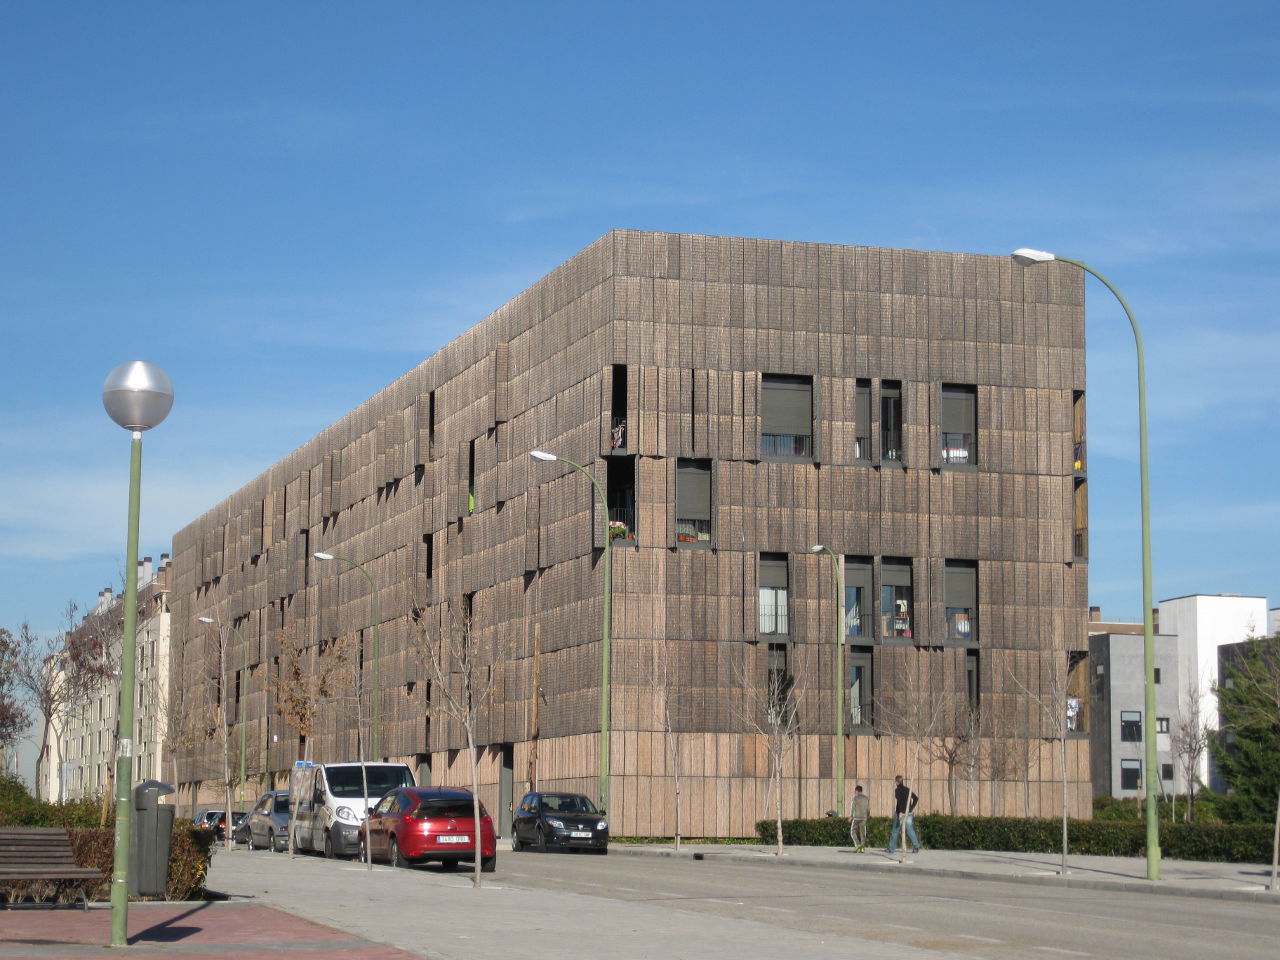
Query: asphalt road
point(581, 907)
point(971, 918)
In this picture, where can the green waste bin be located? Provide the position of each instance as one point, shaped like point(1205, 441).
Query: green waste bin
point(149, 840)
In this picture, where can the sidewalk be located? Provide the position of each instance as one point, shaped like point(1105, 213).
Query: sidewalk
point(1221, 881)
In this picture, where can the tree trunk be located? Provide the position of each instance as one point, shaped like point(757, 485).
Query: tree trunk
point(1063, 757)
point(475, 802)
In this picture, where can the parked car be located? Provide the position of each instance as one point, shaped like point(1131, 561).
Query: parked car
point(566, 820)
point(420, 824)
point(216, 820)
point(331, 801)
point(266, 826)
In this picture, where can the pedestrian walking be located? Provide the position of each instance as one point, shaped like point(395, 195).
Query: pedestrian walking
point(858, 816)
point(904, 807)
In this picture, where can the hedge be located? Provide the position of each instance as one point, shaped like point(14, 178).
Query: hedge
point(1239, 843)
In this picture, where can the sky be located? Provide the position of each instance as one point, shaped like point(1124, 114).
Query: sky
point(287, 205)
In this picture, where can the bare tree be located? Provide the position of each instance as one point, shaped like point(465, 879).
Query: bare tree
point(14, 717)
point(1188, 741)
point(671, 709)
point(769, 710)
point(462, 682)
point(1049, 701)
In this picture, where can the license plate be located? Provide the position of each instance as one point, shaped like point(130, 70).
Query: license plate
point(454, 838)
point(583, 834)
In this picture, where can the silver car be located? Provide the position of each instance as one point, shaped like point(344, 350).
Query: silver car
point(267, 825)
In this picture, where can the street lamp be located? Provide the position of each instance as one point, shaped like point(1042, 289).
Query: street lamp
point(138, 396)
point(376, 738)
point(838, 753)
point(244, 692)
point(604, 632)
point(1027, 257)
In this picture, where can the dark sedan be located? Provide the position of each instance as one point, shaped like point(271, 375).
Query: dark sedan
point(568, 821)
point(266, 827)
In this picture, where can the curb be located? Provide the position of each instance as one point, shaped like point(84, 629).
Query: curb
point(1079, 883)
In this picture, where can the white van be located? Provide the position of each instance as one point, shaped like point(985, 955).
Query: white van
point(331, 801)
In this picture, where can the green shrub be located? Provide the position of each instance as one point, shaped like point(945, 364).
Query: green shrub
point(1243, 843)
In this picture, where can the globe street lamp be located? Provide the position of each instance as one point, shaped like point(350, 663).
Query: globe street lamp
point(244, 694)
point(838, 754)
point(604, 632)
point(376, 738)
point(138, 396)
point(1027, 257)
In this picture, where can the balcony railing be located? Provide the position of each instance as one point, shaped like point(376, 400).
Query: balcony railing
point(786, 445)
point(693, 531)
point(957, 448)
point(862, 448)
point(853, 622)
point(627, 518)
point(891, 444)
point(962, 624)
point(896, 626)
point(773, 617)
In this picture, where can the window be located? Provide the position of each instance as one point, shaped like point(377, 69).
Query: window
point(1166, 772)
point(693, 501)
point(959, 425)
point(1131, 726)
point(857, 596)
point(862, 426)
point(960, 591)
point(1080, 509)
point(972, 686)
point(1157, 670)
point(895, 598)
point(779, 679)
point(891, 420)
point(861, 685)
point(1130, 774)
point(786, 417)
point(773, 593)
point(1162, 724)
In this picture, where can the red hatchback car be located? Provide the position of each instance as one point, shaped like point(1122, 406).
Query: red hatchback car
point(420, 824)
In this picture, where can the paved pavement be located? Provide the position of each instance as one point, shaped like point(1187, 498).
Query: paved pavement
point(278, 909)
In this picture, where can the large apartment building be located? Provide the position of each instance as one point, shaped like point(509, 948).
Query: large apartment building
point(920, 415)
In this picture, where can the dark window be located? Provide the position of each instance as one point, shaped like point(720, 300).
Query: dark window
point(621, 492)
point(862, 427)
point(693, 501)
point(1162, 724)
point(960, 590)
point(1166, 772)
point(618, 426)
point(972, 685)
point(786, 417)
point(896, 600)
point(1080, 508)
point(1157, 671)
point(1130, 774)
point(471, 478)
point(1131, 726)
point(857, 596)
point(773, 593)
point(891, 420)
point(428, 555)
point(779, 679)
point(959, 425)
point(861, 685)
point(1078, 451)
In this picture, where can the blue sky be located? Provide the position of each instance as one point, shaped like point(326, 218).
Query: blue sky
point(288, 205)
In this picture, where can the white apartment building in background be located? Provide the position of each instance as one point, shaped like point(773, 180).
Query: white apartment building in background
point(83, 740)
point(1205, 623)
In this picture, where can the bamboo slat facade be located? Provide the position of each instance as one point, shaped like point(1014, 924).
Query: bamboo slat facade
point(644, 352)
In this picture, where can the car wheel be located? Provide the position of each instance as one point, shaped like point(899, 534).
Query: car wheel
point(516, 845)
point(542, 840)
point(397, 858)
point(248, 841)
point(328, 845)
point(364, 851)
point(603, 851)
point(448, 864)
point(489, 864)
point(271, 841)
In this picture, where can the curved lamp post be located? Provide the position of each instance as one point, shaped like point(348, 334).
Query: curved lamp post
point(604, 632)
point(376, 738)
point(244, 693)
point(1027, 257)
point(838, 752)
point(138, 396)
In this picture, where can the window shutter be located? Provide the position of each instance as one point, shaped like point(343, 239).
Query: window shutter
point(693, 489)
point(773, 570)
point(788, 406)
point(961, 589)
point(895, 573)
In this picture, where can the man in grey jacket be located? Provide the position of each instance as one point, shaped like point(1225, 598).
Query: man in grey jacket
point(858, 816)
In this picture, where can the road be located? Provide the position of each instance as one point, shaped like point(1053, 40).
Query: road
point(579, 907)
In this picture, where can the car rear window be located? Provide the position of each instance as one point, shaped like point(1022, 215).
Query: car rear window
point(451, 807)
point(282, 804)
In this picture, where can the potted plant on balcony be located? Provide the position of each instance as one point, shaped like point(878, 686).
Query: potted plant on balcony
point(619, 530)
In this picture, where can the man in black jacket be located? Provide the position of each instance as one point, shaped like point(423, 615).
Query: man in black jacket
point(904, 806)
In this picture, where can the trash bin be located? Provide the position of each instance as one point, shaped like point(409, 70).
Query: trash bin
point(149, 839)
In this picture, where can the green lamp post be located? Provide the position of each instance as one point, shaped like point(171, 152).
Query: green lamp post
point(838, 749)
point(1027, 257)
point(138, 396)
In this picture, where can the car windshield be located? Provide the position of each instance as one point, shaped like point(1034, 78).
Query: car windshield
point(345, 782)
point(567, 803)
point(459, 807)
point(282, 804)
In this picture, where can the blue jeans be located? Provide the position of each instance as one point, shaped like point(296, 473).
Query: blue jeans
point(897, 826)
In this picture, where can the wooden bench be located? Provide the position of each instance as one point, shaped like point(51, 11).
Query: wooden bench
point(42, 853)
